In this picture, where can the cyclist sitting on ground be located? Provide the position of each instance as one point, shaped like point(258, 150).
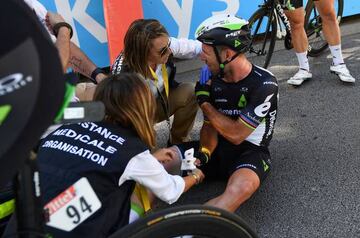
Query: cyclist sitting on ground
point(239, 105)
point(112, 155)
point(147, 47)
point(295, 13)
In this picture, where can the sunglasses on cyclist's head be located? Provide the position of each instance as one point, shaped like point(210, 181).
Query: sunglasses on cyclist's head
point(164, 50)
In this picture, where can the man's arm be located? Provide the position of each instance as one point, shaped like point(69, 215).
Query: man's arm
point(80, 63)
point(62, 39)
point(185, 48)
point(234, 131)
point(208, 136)
point(63, 45)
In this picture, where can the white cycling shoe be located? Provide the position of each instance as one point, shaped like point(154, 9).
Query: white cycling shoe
point(342, 71)
point(300, 77)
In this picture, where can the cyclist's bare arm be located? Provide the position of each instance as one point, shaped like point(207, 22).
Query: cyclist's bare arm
point(208, 136)
point(233, 130)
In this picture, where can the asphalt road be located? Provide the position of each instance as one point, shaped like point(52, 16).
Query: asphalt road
point(314, 187)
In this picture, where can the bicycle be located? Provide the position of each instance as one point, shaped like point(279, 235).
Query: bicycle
point(270, 22)
point(188, 220)
point(32, 89)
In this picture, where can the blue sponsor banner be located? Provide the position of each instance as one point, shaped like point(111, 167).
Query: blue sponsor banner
point(87, 19)
point(351, 7)
point(182, 17)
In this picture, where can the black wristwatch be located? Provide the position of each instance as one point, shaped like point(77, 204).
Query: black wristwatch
point(95, 73)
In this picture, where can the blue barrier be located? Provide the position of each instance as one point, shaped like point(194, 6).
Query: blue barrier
point(87, 19)
point(180, 17)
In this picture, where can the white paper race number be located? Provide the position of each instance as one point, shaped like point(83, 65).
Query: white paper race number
point(73, 206)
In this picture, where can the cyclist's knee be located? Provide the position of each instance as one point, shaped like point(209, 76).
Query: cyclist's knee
point(329, 17)
point(297, 24)
point(296, 18)
point(242, 189)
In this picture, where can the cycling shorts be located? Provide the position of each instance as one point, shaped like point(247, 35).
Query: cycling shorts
point(291, 4)
point(224, 162)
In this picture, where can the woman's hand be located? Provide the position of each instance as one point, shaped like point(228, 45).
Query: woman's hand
point(165, 155)
point(198, 175)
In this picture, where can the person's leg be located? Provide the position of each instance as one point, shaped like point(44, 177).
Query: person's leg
point(330, 26)
point(332, 34)
point(183, 105)
point(298, 34)
point(241, 185)
point(139, 200)
point(300, 43)
point(330, 29)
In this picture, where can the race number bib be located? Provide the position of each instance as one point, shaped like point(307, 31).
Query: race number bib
point(73, 206)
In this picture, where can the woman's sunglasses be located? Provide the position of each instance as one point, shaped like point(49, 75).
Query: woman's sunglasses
point(164, 50)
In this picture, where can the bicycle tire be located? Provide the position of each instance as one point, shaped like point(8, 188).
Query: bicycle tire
point(313, 27)
point(260, 41)
point(192, 220)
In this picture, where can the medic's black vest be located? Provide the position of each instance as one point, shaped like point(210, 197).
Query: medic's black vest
point(100, 152)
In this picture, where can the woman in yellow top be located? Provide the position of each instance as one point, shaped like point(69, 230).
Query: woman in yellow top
point(147, 47)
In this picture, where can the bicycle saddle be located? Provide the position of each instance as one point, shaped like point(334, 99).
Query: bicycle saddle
point(31, 85)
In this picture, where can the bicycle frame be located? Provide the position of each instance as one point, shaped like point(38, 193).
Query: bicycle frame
point(276, 10)
point(280, 13)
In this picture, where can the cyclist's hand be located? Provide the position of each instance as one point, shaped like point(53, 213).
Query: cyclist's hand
point(202, 92)
point(201, 158)
point(205, 75)
point(165, 155)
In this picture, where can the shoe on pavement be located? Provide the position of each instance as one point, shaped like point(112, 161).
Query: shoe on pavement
point(342, 71)
point(300, 77)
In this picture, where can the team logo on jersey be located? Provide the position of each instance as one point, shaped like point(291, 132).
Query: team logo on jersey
point(244, 89)
point(272, 123)
point(265, 165)
point(242, 101)
point(221, 100)
point(263, 109)
point(270, 82)
point(217, 89)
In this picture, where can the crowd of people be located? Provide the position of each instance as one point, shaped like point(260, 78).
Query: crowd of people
point(118, 155)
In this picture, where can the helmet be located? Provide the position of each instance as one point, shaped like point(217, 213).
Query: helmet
point(226, 30)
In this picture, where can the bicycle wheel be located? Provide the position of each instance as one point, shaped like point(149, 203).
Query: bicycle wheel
point(189, 220)
point(313, 27)
point(263, 32)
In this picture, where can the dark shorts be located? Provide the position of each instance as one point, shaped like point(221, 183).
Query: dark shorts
point(225, 161)
point(291, 4)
